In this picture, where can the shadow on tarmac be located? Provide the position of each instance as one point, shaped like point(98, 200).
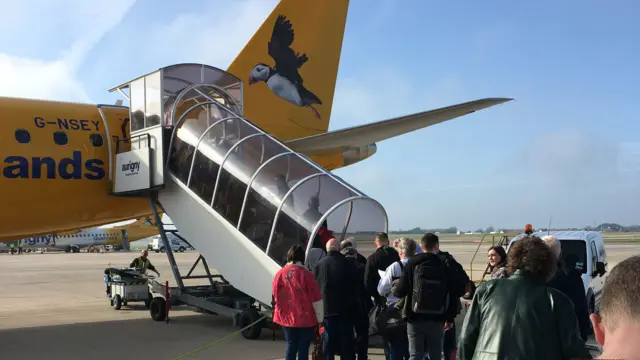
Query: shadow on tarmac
point(128, 339)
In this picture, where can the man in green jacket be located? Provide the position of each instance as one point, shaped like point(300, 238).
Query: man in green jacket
point(519, 317)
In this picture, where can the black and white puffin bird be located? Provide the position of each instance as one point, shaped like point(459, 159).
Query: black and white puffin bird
point(283, 79)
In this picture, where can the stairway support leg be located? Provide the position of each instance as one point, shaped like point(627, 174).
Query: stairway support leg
point(167, 245)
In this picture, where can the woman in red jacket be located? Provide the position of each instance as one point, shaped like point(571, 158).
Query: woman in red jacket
point(297, 304)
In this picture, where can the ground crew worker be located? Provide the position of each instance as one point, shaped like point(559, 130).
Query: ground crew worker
point(11, 246)
point(20, 247)
point(143, 263)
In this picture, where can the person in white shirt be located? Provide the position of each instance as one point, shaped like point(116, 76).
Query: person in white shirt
point(397, 345)
point(406, 249)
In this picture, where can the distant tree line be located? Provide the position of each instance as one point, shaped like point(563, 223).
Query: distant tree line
point(612, 227)
point(606, 227)
point(418, 230)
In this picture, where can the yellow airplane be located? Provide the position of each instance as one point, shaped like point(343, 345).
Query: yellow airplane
point(58, 157)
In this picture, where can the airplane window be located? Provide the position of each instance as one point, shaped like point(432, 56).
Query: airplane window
point(60, 138)
point(96, 140)
point(22, 136)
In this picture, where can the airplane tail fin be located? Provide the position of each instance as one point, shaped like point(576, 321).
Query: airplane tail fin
point(300, 37)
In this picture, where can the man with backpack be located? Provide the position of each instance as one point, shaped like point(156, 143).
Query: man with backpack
point(432, 283)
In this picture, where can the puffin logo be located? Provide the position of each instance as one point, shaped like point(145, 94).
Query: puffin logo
point(283, 79)
point(132, 167)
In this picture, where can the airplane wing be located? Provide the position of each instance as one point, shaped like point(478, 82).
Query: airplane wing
point(344, 139)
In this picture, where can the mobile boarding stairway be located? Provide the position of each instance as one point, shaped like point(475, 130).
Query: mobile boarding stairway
point(239, 195)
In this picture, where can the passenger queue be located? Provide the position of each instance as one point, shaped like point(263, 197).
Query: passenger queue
point(409, 293)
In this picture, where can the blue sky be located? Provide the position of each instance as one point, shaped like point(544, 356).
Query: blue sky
point(567, 147)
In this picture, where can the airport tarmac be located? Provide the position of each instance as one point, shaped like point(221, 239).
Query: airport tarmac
point(54, 306)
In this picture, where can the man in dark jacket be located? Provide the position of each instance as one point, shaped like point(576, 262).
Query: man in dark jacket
point(455, 307)
point(428, 329)
point(569, 282)
point(351, 242)
point(336, 277)
point(380, 260)
point(520, 317)
point(363, 302)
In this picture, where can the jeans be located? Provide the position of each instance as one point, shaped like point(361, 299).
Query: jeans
point(398, 346)
point(425, 337)
point(338, 337)
point(387, 350)
point(449, 343)
point(298, 342)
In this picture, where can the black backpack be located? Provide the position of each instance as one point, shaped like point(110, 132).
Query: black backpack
point(430, 288)
point(459, 280)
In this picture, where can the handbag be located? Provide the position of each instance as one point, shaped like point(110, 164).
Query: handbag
point(390, 321)
point(317, 353)
point(374, 313)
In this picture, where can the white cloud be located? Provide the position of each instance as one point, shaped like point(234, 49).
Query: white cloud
point(83, 23)
point(32, 78)
point(212, 35)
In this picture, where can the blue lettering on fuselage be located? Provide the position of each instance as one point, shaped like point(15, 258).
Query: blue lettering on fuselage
point(20, 167)
point(46, 240)
point(49, 240)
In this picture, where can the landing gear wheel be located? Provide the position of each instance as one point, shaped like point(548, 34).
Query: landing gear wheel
point(158, 309)
point(117, 302)
point(249, 316)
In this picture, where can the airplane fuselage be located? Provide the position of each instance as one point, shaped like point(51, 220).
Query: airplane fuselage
point(54, 169)
point(79, 239)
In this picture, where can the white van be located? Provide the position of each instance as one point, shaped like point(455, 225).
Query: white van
point(176, 244)
point(586, 250)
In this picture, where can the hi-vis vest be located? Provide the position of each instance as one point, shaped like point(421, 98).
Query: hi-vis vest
point(142, 263)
